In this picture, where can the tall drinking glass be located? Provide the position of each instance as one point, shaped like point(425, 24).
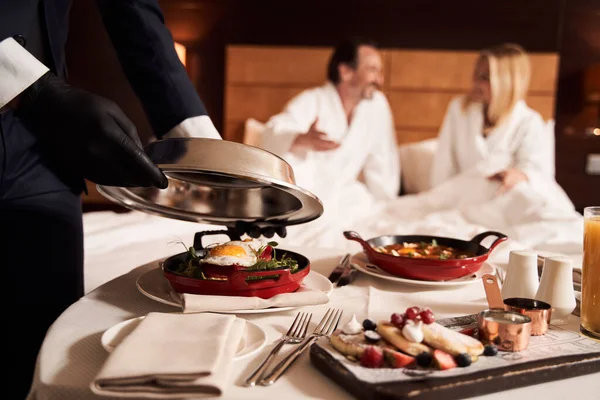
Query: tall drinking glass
point(590, 285)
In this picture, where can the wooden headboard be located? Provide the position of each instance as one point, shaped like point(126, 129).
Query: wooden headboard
point(418, 83)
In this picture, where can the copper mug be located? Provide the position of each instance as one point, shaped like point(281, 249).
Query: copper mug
point(539, 311)
point(508, 330)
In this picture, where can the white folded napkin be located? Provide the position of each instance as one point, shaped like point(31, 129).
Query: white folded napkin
point(194, 303)
point(172, 356)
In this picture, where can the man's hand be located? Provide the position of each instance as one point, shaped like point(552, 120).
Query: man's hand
point(314, 140)
point(508, 179)
point(88, 134)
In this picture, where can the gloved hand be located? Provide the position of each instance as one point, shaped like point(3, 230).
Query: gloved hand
point(88, 134)
point(255, 231)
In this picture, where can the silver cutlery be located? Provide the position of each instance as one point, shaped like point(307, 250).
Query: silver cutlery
point(339, 269)
point(295, 334)
point(326, 327)
point(347, 276)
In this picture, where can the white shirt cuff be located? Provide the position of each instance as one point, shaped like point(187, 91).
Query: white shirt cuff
point(18, 69)
point(194, 127)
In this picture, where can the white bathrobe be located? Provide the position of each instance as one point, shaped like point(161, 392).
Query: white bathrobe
point(520, 141)
point(368, 145)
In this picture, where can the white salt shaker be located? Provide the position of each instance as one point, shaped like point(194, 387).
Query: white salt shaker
point(556, 287)
point(521, 275)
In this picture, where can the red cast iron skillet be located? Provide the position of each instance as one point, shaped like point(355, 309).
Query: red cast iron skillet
point(428, 269)
point(280, 280)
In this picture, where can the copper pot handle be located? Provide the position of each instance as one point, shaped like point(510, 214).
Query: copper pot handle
point(492, 292)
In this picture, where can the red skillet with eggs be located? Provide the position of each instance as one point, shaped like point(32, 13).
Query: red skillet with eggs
point(235, 268)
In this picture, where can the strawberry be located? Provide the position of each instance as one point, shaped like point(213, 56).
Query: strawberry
point(443, 360)
point(395, 359)
point(468, 331)
point(372, 357)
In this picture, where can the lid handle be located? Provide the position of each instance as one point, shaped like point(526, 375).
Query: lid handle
point(231, 233)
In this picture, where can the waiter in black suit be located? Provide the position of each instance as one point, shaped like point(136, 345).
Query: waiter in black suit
point(53, 136)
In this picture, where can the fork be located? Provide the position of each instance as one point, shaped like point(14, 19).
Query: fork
point(326, 327)
point(294, 335)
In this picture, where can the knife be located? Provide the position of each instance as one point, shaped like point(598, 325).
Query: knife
point(347, 276)
point(337, 272)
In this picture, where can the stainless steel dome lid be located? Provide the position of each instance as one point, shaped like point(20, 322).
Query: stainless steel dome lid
point(220, 182)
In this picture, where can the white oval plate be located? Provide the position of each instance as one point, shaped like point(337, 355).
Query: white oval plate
point(153, 284)
point(362, 264)
point(253, 340)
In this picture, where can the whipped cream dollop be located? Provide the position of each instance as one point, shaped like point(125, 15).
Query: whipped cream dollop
point(353, 327)
point(413, 331)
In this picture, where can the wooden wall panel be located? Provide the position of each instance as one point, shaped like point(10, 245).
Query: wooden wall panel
point(259, 102)
point(419, 109)
point(283, 66)
point(405, 136)
point(542, 104)
point(544, 73)
point(431, 69)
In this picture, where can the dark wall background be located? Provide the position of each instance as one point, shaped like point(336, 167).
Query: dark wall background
point(206, 27)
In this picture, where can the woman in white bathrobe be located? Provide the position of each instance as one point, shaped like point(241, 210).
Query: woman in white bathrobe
point(493, 127)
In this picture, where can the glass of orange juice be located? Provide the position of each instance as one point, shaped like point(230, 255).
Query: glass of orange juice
point(590, 283)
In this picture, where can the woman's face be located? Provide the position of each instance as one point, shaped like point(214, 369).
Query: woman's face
point(481, 90)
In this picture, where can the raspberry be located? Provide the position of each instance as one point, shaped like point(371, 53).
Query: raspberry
point(398, 320)
point(372, 357)
point(412, 313)
point(427, 316)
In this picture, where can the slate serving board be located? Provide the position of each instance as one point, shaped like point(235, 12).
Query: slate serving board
point(475, 384)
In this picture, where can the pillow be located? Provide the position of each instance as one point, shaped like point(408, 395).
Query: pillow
point(253, 132)
point(416, 160)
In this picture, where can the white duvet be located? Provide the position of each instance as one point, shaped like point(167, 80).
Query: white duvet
point(462, 207)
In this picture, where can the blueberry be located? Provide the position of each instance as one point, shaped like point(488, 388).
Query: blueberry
point(372, 336)
point(424, 359)
point(369, 325)
point(463, 360)
point(490, 350)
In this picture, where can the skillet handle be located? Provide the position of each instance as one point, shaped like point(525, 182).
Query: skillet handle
point(500, 237)
point(351, 235)
point(231, 233)
point(238, 278)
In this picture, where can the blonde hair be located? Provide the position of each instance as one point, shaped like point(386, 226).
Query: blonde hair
point(510, 72)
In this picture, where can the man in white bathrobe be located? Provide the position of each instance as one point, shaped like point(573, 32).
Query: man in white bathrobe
point(340, 139)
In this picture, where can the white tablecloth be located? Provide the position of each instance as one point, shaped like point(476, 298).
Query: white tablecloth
point(72, 353)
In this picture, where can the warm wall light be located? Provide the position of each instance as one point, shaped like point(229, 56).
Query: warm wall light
point(180, 49)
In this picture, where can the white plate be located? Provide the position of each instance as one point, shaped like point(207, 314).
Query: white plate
point(253, 340)
point(154, 285)
point(362, 264)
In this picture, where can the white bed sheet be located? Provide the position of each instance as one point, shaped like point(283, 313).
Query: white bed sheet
point(110, 237)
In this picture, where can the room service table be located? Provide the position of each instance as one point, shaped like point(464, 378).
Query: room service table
point(72, 353)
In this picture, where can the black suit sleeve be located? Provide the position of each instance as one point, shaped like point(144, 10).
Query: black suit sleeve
point(147, 55)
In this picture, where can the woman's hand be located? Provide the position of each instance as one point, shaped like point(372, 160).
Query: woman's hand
point(508, 179)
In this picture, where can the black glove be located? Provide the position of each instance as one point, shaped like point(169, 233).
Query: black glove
point(255, 231)
point(88, 134)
